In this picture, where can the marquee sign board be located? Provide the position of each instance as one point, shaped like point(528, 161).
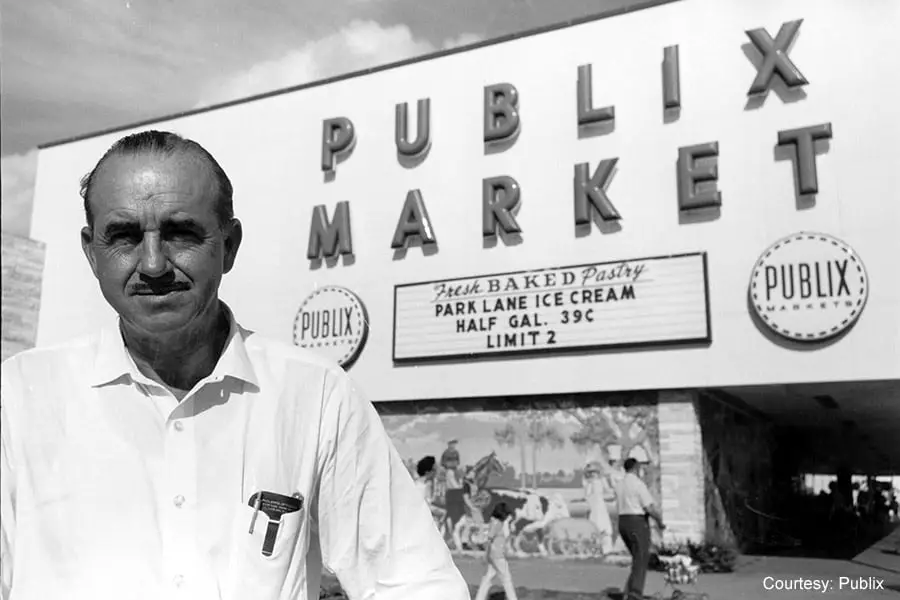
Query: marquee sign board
point(809, 287)
point(646, 301)
point(332, 321)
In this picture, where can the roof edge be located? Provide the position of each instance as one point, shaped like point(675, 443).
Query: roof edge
point(622, 10)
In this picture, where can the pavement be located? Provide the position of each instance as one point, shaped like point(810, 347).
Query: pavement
point(875, 573)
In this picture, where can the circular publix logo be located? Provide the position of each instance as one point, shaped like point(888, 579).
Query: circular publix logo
point(332, 321)
point(809, 287)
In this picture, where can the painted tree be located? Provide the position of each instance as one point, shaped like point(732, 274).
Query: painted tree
point(542, 431)
point(532, 428)
point(508, 436)
point(628, 425)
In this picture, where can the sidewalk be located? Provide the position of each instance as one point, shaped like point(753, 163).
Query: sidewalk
point(540, 579)
point(882, 554)
point(543, 579)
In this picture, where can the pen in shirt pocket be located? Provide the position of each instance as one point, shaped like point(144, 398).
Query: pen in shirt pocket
point(273, 506)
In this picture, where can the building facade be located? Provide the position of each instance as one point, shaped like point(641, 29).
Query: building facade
point(664, 233)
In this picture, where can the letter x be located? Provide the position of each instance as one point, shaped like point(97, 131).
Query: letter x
point(775, 57)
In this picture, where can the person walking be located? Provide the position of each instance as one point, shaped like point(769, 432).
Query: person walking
point(495, 555)
point(635, 506)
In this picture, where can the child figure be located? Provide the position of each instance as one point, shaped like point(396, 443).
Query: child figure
point(495, 555)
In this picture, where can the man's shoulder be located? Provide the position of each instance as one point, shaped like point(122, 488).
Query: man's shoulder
point(277, 352)
point(42, 358)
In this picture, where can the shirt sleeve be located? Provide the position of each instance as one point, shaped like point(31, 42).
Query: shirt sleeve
point(375, 532)
point(644, 495)
point(7, 507)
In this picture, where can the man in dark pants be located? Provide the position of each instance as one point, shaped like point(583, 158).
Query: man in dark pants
point(635, 505)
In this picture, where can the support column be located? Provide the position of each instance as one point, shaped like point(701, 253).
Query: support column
point(23, 265)
point(681, 466)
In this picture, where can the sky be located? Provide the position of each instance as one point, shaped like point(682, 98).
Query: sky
point(72, 67)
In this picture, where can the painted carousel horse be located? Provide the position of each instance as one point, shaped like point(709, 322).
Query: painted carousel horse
point(463, 527)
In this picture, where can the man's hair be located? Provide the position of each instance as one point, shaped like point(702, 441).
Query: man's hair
point(501, 511)
point(630, 464)
point(166, 144)
point(425, 466)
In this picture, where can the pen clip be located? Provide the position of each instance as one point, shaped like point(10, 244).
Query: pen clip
point(256, 508)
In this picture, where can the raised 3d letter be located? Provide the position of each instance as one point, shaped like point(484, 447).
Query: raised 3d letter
point(696, 184)
point(671, 79)
point(587, 114)
point(423, 128)
point(803, 139)
point(775, 57)
point(590, 194)
point(500, 196)
point(413, 221)
point(501, 115)
point(337, 137)
point(329, 239)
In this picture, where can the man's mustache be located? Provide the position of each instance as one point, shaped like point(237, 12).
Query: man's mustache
point(159, 287)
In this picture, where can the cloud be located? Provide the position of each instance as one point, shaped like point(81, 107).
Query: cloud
point(359, 45)
point(461, 40)
point(18, 172)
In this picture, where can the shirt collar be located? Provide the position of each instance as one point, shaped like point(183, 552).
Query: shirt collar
point(113, 361)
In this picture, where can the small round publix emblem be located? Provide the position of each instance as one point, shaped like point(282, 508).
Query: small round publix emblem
point(332, 321)
point(809, 287)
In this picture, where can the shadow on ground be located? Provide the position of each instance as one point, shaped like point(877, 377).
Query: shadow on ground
point(334, 593)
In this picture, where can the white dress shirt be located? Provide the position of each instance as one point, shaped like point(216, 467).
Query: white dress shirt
point(112, 489)
point(633, 496)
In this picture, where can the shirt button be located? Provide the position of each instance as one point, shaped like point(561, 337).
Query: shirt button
point(178, 580)
point(179, 426)
point(178, 500)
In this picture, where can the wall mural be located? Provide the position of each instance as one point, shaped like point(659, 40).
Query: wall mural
point(556, 464)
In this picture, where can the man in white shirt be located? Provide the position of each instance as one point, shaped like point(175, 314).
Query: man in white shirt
point(635, 504)
point(182, 456)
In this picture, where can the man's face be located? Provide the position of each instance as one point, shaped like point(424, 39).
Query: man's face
point(156, 245)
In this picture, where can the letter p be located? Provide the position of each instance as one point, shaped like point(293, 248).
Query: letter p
point(338, 135)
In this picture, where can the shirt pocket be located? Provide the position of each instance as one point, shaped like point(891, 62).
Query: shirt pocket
point(286, 537)
point(253, 574)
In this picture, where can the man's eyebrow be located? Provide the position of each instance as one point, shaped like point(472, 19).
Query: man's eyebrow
point(182, 223)
point(128, 226)
point(119, 226)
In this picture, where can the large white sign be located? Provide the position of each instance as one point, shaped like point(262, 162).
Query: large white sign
point(464, 199)
point(632, 302)
point(809, 287)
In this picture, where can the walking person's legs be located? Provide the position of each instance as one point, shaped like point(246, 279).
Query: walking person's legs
point(641, 560)
point(506, 578)
point(485, 585)
point(635, 532)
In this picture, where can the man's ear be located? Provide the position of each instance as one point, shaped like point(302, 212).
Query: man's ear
point(233, 236)
point(87, 238)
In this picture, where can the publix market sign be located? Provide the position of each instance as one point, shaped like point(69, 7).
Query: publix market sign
point(332, 321)
point(809, 287)
point(593, 197)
